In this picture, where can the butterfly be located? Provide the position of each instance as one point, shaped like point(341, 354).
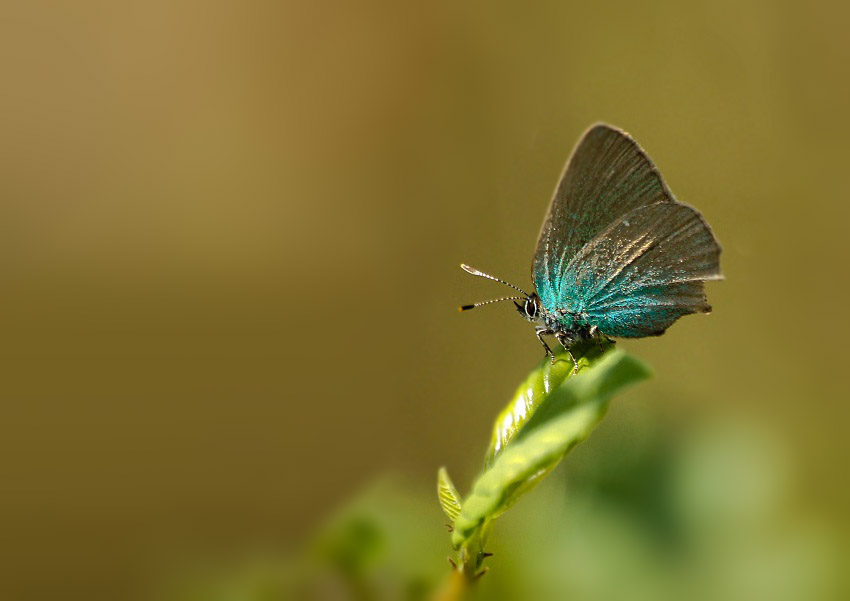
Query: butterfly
point(617, 256)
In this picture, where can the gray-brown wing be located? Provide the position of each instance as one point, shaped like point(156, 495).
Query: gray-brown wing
point(607, 176)
point(644, 271)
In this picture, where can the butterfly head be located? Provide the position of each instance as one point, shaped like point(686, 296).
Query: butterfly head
point(529, 308)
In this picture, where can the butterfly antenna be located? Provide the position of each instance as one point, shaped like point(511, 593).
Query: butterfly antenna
point(481, 274)
point(495, 300)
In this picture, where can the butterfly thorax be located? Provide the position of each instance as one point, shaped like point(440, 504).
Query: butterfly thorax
point(572, 325)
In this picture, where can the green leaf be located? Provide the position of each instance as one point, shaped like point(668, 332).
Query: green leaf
point(563, 418)
point(450, 499)
point(540, 382)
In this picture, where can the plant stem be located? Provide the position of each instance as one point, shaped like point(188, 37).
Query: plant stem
point(455, 588)
point(469, 569)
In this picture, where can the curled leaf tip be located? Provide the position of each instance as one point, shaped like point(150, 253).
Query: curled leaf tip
point(450, 499)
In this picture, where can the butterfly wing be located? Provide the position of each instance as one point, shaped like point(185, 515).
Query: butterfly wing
point(607, 176)
point(644, 271)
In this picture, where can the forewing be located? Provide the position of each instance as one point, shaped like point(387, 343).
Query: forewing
point(607, 176)
point(644, 271)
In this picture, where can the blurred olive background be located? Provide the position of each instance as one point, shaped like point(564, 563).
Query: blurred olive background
point(230, 244)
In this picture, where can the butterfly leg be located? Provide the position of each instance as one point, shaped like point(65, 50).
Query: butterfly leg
point(566, 342)
point(599, 337)
point(541, 332)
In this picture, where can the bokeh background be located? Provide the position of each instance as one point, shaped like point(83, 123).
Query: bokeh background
point(229, 266)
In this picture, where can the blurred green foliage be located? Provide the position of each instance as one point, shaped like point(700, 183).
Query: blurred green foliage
point(644, 511)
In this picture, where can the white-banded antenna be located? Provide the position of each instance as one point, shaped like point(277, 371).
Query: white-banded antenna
point(495, 300)
point(481, 274)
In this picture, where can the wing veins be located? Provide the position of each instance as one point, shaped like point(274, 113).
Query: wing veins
point(645, 249)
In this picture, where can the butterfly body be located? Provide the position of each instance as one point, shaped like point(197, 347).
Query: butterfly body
point(617, 255)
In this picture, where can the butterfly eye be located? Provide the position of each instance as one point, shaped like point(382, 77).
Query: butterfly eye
point(530, 307)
